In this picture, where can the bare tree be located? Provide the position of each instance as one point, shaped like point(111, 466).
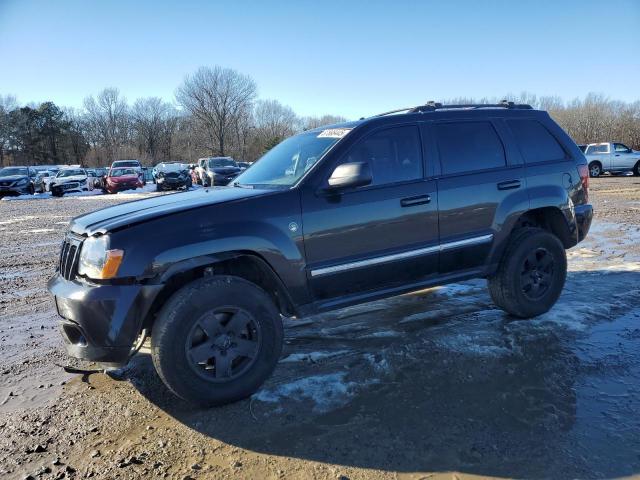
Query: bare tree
point(154, 123)
point(216, 97)
point(8, 103)
point(274, 120)
point(315, 122)
point(108, 121)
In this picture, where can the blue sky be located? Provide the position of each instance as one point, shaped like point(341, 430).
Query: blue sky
point(347, 58)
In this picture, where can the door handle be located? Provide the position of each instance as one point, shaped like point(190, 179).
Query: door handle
point(412, 201)
point(509, 184)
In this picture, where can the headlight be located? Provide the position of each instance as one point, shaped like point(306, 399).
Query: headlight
point(96, 261)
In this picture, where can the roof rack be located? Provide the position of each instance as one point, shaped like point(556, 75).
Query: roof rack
point(432, 106)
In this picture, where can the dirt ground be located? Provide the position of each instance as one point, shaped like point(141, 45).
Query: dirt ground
point(434, 384)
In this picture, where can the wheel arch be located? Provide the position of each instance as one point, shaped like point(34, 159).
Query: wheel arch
point(243, 264)
point(559, 222)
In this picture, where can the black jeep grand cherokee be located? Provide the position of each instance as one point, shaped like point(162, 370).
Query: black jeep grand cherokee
point(329, 218)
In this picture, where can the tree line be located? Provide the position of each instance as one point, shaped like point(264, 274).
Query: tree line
point(217, 112)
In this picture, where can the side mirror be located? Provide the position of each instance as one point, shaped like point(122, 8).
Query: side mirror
point(350, 175)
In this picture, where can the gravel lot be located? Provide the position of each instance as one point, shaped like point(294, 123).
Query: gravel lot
point(417, 386)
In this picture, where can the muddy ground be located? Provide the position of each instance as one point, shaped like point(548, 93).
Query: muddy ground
point(437, 383)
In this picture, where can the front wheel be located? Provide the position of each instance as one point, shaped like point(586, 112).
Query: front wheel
point(636, 170)
point(217, 340)
point(531, 273)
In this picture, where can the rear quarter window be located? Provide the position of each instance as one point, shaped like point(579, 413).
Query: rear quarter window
point(535, 142)
point(468, 146)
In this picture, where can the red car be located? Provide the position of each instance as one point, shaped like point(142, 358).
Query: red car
point(119, 179)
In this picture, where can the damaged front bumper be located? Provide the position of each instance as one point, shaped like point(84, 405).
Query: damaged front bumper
point(101, 323)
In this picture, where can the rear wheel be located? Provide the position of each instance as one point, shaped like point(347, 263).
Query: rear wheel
point(636, 169)
point(217, 340)
point(595, 169)
point(531, 273)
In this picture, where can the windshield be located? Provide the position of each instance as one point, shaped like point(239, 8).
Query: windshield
point(221, 162)
point(119, 172)
point(170, 167)
point(126, 163)
point(288, 161)
point(9, 171)
point(70, 173)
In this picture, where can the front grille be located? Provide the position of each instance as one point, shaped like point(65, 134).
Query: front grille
point(69, 257)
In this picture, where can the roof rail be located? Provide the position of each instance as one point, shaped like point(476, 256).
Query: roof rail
point(432, 106)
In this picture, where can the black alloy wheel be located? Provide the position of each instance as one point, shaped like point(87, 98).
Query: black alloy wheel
point(223, 344)
point(537, 273)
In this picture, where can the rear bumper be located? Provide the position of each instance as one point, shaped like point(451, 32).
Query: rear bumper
point(101, 323)
point(584, 216)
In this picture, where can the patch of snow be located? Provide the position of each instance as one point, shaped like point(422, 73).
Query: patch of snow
point(19, 219)
point(325, 391)
point(312, 356)
point(41, 230)
point(383, 334)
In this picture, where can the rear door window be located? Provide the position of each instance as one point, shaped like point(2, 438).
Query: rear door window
point(535, 142)
point(468, 146)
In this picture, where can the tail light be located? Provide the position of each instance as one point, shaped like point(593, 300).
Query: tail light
point(583, 170)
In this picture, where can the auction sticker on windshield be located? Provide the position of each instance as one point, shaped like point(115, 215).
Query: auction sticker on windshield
point(334, 133)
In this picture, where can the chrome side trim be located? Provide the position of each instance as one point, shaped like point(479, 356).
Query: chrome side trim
point(400, 256)
point(374, 261)
point(465, 242)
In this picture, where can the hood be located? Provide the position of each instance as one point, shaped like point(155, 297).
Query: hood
point(12, 178)
point(225, 170)
point(72, 178)
point(130, 213)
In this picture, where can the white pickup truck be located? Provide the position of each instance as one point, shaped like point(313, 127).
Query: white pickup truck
point(611, 157)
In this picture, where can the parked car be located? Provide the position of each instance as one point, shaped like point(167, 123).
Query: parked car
point(70, 180)
point(120, 179)
point(220, 171)
point(127, 163)
point(39, 181)
point(172, 176)
point(328, 218)
point(612, 157)
point(17, 181)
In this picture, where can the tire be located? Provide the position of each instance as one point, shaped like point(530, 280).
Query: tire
point(595, 169)
point(636, 169)
point(181, 324)
point(57, 193)
point(32, 189)
point(158, 187)
point(526, 284)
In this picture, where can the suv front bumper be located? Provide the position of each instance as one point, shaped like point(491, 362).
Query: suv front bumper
point(584, 216)
point(101, 323)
